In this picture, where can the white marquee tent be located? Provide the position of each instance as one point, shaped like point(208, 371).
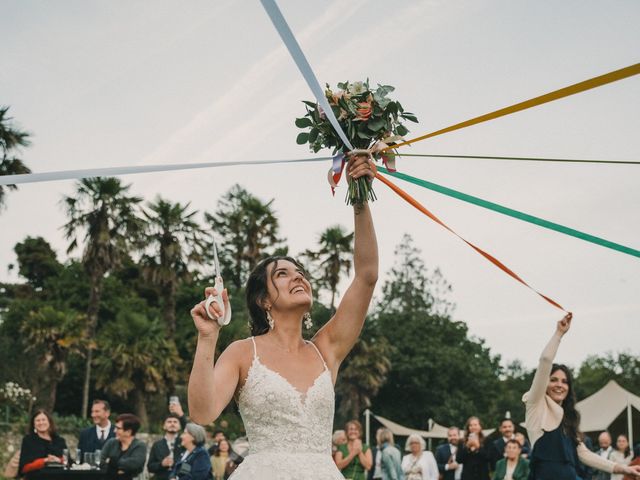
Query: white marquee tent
point(599, 410)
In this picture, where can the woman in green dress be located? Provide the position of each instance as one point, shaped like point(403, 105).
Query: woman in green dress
point(354, 458)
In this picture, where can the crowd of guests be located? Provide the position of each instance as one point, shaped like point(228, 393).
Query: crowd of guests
point(181, 453)
point(467, 455)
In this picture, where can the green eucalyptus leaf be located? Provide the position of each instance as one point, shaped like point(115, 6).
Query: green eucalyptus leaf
point(303, 122)
point(302, 138)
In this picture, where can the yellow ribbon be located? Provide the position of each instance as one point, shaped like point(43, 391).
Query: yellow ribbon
point(534, 102)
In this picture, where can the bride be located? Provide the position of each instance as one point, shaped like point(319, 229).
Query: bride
point(283, 384)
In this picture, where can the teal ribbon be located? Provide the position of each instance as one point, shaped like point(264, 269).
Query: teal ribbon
point(513, 213)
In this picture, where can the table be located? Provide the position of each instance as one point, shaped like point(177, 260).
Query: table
point(63, 474)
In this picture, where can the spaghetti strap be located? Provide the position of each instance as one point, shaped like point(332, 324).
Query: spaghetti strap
point(255, 350)
point(318, 352)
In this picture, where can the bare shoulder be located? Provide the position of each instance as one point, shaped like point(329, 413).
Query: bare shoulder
point(239, 350)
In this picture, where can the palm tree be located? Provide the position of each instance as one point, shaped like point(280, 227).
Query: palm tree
point(332, 259)
point(364, 373)
point(248, 228)
point(137, 359)
point(104, 211)
point(52, 335)
point(176, 241)
point(11, 138)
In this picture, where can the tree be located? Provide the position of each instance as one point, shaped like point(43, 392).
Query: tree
point(176, 240)
point(596, 371)
point(103, 210)
point(437, 371)
point(11, 139)
point(50, 336)
point(37, 261)
point(332, 258)
point(363, 374)
point(136, 358)
point(247, 230)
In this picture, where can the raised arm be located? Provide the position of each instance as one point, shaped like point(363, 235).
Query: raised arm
point(338, 336)
point(211, 386)
point(541, 378)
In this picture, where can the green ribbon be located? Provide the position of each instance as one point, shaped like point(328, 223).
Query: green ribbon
point(513, 213)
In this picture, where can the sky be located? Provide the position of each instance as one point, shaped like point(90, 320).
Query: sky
point(101, 84)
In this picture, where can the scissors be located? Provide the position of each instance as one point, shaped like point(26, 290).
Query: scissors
point(219, 286)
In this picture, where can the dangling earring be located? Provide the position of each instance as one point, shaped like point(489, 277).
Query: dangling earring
point(272, 324)
point(308, 323)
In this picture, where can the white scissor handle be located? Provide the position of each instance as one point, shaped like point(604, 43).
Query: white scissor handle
point(226, 312)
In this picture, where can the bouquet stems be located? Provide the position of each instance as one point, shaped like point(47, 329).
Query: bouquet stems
point(359, 191)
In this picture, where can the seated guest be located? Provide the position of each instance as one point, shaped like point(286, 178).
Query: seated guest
point(224, 461)
point(496, 449)
point(512, 466)
point(94, 438)
point(194, 463)
point(167, 450)
point(42, 445)
point(123, 457)
point(446, 455)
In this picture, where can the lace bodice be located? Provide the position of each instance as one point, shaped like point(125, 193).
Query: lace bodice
point(280, 419)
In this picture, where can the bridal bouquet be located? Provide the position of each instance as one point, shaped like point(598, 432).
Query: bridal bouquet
point(370, 120)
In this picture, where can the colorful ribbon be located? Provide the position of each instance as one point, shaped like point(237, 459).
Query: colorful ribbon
point(549, 97)
point(515, 213)
point(413, 202)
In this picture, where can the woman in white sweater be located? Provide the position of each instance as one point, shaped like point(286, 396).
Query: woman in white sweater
point(420, 464)
point(553, 423)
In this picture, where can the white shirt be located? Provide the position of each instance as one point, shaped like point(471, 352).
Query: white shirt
point(106, 430)
point(605, 453)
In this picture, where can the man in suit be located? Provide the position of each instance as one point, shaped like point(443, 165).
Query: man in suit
point(94, 438)
point(166, 451)
point(446, 456)
point(496, 451)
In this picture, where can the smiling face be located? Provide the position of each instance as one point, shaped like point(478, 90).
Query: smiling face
point(415, 446)
point(622, 443)
point(353, 431)
point(288, 287)
point(474, 426)
point(506, 428)
point(99, 414)
point(41, 423)
point(187, 440)
point(512, 450)
point(558, 386)
point(453, 436)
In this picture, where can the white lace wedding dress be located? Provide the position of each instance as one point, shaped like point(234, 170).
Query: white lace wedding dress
point(289, 432)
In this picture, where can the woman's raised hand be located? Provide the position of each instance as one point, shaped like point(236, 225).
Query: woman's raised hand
point(361, 165)
point(207, 327)
point(564, 324)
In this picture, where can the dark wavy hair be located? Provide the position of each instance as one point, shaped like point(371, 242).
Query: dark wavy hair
point(571, 417)
point(257, 292)
point(32, 421)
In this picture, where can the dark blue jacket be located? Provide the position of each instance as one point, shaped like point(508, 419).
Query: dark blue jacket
point(197, 466)
point(443, 454)
point(89, 441)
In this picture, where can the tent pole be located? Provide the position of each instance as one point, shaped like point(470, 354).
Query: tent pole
point(629, 423)
point(367, 423)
